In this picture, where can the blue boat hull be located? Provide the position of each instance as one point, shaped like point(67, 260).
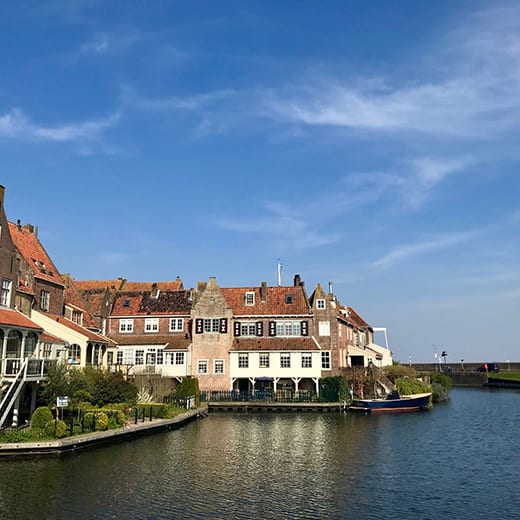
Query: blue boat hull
point(409, 403)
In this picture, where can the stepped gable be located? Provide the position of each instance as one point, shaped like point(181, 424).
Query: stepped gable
point(278, 344)
point(34, 253)
point(14, 318)
point(135, 303)
point(268, 301)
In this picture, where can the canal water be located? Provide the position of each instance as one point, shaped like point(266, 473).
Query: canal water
point(460, 460)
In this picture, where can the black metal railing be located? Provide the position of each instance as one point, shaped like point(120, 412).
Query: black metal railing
point(281, 396)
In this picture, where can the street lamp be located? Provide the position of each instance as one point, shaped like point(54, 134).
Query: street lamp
point(462, 365)
point(443, 355)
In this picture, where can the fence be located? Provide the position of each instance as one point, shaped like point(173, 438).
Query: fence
point(282, 396)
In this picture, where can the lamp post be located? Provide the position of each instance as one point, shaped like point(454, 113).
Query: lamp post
point(443, 356)
point(462, 365)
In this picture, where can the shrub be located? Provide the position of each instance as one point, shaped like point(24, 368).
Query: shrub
point(189, 386)
point(100, 420)
point(89, 421)
point(334, 388)
point(41, 417)
point(394, 372)
point(407, 386)
point(441, 379)
point(439, 393)
point(159, 410)
point(57, 428)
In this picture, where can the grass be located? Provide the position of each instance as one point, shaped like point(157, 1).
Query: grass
point(511, 376)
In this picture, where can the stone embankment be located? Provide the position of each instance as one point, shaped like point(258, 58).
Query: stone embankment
point(95, 439)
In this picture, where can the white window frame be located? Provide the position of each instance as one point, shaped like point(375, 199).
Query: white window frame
point(126, 325)
point(248, 328)
point(211, 325)
point(218, 366)
point(285, 360)
point(202, 367)
point(139, 357)
point(249, 298)
point(288, 328)
point(151, 324)
point(306, 360)
point(180, 358)
point(263, 360)
point(320, 304)
point(243, 360)
point(5, 297)
point(119, 357)
point(176, 324)
point(45, 299)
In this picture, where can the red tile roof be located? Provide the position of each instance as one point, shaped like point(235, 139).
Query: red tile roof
point(74, 299)
point(144, 304)
point(90, 285)
point(14, 318)
point(34, 253)
point(175, 285)
point(276, 301)
point(278, 344)
point(356, 319)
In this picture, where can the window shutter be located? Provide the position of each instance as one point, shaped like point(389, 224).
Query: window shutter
point(236, 328)
point(223, 325)
point(305, 328)
point(198, 326)
point(272, 328)
point(259, 328)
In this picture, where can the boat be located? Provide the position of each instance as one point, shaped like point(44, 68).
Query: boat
point(392, 403)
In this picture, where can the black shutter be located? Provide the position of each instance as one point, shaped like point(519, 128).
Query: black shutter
point(305, 328)
point(236, 328)
point(223, 325)
point(259, 328)
point(272, 328)
point(198, 326)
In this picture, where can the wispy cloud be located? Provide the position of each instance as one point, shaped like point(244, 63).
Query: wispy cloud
point(110, 44)
point(16, 125)
point(407, 251)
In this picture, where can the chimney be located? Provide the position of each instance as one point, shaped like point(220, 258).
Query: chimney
point(297, 280)
point(201, 286)
point(155, 290)
point(2, 193)
point(18, 225)
point(330, 287)
point(263, 292)
point(212, 282)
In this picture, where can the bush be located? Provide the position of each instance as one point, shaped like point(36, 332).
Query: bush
point(407, 386)
point(100, 421)
point(189, 386)
point(439, 393)
point(441, 379)
point(394, 372)
point(334, 388)
point(159, 410)
point(56, 429)
point(41, 417)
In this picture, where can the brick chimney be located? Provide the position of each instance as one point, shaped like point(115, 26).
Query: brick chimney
point(263, 292)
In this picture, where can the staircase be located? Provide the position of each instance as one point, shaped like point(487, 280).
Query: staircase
point(11, 393)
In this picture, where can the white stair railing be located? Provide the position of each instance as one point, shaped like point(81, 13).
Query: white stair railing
point(12, 393)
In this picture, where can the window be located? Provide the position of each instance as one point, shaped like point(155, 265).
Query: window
point(324, 328)
point(264, 360)
point(5, 295)
point(288, 298)
point(202, 366)
point(285, 360)
point(250, 298)
point(325, 360)
point(218, 367)
point(248, 329)
point(288, 328)
point(110, 358)
point(243, 361)
point(139, 357)
point(211, 324)
point(151, 324)
point(77, 317)
point(74, 354)
point(45, 297)
point(320, 304)
point(179, 358)
point(119, 357)
point(160, 357)
point(150, 357)
point(306, 360)
point(176, 324)
point(126, 325)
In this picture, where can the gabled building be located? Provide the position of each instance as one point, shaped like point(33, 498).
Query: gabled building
point(152, 329)
point(256, 338)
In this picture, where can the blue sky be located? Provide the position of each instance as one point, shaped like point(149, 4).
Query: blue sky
point(369, 144)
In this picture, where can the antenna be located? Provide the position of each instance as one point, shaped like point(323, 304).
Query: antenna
point(279, 271)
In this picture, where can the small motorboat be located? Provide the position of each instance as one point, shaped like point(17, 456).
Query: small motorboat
point(392, 403)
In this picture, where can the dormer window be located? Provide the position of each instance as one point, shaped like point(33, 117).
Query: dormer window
point(320, 304)
point(288, 298)
point(45, 297)
point(126, 303)
point(250, 298)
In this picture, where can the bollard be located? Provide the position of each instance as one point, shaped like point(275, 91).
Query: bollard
point(136, 415)
point(151, 413)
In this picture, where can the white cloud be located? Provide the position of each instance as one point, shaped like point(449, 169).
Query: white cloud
point(404, 252)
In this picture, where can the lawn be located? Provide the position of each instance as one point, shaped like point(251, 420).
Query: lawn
point(511, 376)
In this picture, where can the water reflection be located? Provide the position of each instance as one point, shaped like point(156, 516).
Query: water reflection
point(444, 463)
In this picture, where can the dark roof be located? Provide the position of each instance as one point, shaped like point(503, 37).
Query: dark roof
point(172, 341)
point(278, 344)
point(142, 303)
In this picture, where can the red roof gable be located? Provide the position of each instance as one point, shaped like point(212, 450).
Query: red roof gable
point(15, 318)
point(34, 254)
point(278, 301)
point(78, 328)
point(355, 318)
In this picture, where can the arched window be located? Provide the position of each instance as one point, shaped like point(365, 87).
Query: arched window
point(74, 354)
point(14, 344)
point(30, 345)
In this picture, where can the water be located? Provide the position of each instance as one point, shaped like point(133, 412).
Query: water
point(458, 461)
